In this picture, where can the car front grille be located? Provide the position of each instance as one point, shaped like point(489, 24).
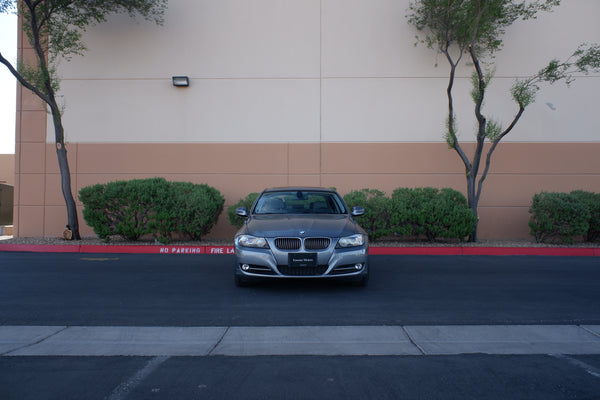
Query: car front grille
point(309, 243)
point(287, 243)
point(302, 271)
point(316, 243)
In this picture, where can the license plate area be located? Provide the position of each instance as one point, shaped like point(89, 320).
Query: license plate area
point(302, 259)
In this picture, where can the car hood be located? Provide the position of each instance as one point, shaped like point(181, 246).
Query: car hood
point(291, 225)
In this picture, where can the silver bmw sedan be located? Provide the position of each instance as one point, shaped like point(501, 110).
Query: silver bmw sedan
point(300, 232)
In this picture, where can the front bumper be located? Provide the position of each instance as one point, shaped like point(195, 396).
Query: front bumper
point(273, 263)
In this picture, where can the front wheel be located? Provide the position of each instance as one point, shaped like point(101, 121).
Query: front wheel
point(362, 280)
point(241, 281)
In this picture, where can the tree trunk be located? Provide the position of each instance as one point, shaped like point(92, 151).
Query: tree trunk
point(473, 201)
point(65, 181)
point(65, 175)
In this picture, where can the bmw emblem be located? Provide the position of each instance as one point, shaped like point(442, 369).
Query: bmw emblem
point(302, 232)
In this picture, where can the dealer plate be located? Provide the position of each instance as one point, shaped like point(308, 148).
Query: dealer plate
point(302, 259)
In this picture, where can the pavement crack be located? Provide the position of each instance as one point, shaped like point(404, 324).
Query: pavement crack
point(412, 341)
point(34, 343)
point(589, 331)
point(218, 342)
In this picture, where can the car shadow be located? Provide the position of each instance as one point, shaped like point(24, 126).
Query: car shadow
point(304, 285)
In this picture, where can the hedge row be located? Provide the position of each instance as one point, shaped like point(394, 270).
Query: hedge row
point(562, 217)
point(429, 212)
point(139, 207)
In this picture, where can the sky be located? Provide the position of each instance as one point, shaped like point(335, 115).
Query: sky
point(8, 85)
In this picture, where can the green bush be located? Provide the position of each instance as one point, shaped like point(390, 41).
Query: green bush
point(376, 219)
point(247, 202)
point(154, 206)
point(122, 207)
point(592, 202)
point(431, 212)
point(558, 217)
point(192, 210)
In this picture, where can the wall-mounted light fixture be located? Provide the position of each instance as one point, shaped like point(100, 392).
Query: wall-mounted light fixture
point(182, 81)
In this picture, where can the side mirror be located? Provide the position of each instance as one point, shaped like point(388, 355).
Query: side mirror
point(242, 212)
point(357, 211)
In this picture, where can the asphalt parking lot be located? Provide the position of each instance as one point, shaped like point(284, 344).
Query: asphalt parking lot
point(125, 326)
point(198, 290)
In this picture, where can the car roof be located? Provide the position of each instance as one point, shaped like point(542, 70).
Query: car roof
point(299, 188)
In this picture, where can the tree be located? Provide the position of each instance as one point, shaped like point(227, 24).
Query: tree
point(54, 29)
point(473, 29)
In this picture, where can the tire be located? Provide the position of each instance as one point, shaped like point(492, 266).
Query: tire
point(362, 280)
point(241, 281)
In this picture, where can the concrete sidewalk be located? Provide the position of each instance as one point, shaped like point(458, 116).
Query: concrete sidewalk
point(298, 340)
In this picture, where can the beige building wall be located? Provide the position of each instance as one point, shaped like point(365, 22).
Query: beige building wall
point(520, 170)
point(302, 92)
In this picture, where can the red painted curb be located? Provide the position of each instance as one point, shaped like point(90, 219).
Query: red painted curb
point(531, 251)
point(126, 249)
point(437, 251)
point(150, 249)
point(222, 250)
point(40, 248)
point(488, 251)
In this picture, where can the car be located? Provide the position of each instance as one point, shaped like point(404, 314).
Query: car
point(301, 233)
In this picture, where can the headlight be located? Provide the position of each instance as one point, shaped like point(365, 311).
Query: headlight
point(352, 241)
point(252, 241)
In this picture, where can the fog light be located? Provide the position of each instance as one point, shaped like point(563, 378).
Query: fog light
point(358, 267)
point(245, 267)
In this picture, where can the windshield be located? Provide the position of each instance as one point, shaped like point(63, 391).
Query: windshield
point(299, 202)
